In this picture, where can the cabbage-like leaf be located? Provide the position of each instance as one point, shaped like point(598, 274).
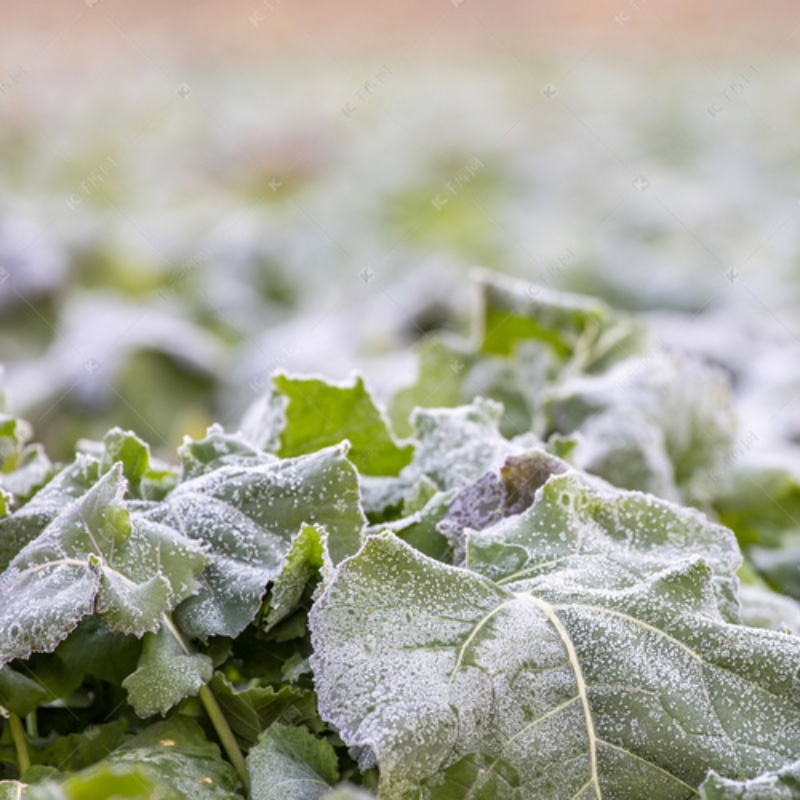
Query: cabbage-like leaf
point(27, 522)
point(95, 557)
point(76, 751)
point(782, 784)
point(439, 384)
point(218, 449)
point(246, 518)
point(254, 708)
point(458, 686)
point(306, 559)
point(290, 763)
point(41, 679)
point(663, 424)
point(762, 504)
point(580, 531)
point(572, 326)
point(763, 608)
point(496, 495)
point(166, 674)
point(455, 446)
point(315, 413)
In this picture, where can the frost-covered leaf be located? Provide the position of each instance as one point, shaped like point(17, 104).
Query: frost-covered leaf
point(782, 784)
point(25, 471)
point(95, 557)
point(246, 518)
point(316, 413)
point(181, 760)
point(290, 763)
point(26, 523)
point(218, 449)
point(456, 446)
point(170, 760)
point(166, 674)
point(305, 559)
point(420, 528)
point(582, 532)
point(253, 708)
point(572, 326)
point(763, 608)
point(663, 424)
point(458, 686)
point(497, 495)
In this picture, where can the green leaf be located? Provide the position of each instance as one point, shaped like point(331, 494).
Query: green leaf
point(169, 760)
point(31, 470)
point(25, 524)
point(608, 538)
point(439, 384)
point(129, 450)
point(305, 560)
point(166, 674)
point(572, 326)
point(662, 424)
point(316, 413)
point(77, 751)
point(763, 608)
point(762, 504)
point(495, 496)
point(552, 686)
point(94, 649)
point(782, 784)
point(95, 557)
point(181, 759)
point(218, 449)
point(254, 708)
point(24, 686)
point(246, 518)
point(456, 446)
point(421, 529)
point(290, 763)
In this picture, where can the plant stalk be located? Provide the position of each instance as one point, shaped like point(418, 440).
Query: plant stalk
point(215, 713)
point(18, 735)
point(225, 734)
point(32, 725)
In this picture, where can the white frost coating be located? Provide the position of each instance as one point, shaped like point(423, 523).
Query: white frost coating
point(455, 446)
point(682, 412)
point(461, 688)
point(581, 534)
point(246, 517)
point(93, 557)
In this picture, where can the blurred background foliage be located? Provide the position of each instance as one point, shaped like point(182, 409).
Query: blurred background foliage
point(194, 195)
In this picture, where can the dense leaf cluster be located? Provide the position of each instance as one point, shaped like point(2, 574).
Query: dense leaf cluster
point(526, 580)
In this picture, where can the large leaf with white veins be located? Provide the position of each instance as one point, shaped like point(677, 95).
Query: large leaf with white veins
point(559, 684)
point(246, 517)
point(93, 557)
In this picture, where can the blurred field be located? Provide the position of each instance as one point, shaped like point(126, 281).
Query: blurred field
point(192, 195)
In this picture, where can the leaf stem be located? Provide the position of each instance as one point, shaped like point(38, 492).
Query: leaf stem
point(215, 713)
point(225, 733)
point(32, 724)
point(18, 735)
